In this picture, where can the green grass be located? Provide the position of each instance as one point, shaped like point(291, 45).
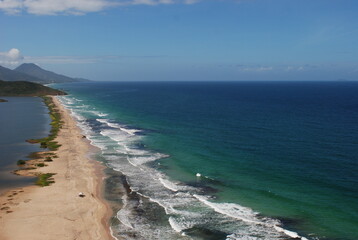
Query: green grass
point(56, 124)
point(45, 179)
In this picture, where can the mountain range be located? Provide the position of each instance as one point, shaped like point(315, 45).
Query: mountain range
point(32, 73)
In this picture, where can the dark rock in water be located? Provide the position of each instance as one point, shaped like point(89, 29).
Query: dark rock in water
point(290, 221)
point(3, 100)
point(140, 210)
point(158, 165)
point(115, 186)
point(148, 210)
point(203, 187)
point(207, 234)
point(292, 224)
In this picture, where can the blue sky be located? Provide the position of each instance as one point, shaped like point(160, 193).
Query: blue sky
point(183, 39)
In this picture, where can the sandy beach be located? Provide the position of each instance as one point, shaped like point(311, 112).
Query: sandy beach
point(56, 211)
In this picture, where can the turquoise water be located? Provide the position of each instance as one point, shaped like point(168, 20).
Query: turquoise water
point(275, 159)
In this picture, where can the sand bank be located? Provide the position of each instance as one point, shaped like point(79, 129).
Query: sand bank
point(56, 211)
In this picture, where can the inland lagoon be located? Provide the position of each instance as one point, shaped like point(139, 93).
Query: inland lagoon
point(21, 118)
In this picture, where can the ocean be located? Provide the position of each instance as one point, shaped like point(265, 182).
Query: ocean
point(21, 118)
point(227, 160)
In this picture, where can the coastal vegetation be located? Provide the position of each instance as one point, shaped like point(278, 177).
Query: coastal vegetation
point(39, 159)
point(45, 179)
point(36, 160)
point(34, 155)
point(42, 154)
point(21, 162)
point(56, 123)
point(24, 82)
point(23, 88)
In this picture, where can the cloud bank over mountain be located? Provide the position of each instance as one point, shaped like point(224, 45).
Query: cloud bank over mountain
point(11, 57)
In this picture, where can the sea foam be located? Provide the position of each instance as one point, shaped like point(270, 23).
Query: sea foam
point(185, 207)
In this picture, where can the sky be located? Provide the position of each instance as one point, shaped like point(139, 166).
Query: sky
point(183, 40)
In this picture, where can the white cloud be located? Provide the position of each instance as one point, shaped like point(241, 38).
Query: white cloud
point(147, 2)
point(74, 7)
point(255, 68)
point(300, 68)
point(12, 57)
point(53, 7)
point(11, 6)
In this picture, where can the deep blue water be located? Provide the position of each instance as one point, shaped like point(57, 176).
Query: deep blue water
point(21, 118)
point(271, 155)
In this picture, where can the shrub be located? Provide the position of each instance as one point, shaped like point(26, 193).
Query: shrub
point(34, 155)
point(56, 124)
point(21, 162)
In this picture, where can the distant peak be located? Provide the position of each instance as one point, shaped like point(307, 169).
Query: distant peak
point(44, 75)
point(28, 65)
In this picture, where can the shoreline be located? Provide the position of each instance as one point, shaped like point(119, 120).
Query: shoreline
point(56, 211)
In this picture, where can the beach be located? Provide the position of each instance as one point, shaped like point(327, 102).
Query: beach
point(264, 170)
point(57, 211)
point(251, 169)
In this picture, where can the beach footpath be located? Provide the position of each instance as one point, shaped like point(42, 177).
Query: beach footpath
point(59, 211)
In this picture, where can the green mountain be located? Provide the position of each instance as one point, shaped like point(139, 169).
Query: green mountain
point(23, 88)
point(48, 76)
point(11, 75)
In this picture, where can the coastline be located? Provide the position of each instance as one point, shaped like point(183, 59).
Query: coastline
point(56, 211)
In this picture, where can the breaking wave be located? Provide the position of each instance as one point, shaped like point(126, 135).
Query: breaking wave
point(184, 209)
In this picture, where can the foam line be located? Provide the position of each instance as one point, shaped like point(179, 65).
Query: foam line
point(183, 204)
point(131, 132)
point(230, 209)
point(168, 184)
point(289, 233)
